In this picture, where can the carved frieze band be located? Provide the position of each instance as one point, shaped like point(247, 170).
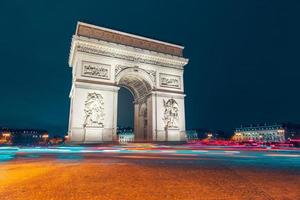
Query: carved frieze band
point(99, 51)
point(152, 73)
point(169, 81)
point(95, 70)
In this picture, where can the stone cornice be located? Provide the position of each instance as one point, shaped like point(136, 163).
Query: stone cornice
point(169, 94)
point(167, 91)
point(118, 37)
point(98, 47)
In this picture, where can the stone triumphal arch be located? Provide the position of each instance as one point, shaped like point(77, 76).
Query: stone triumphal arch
point(102, 61)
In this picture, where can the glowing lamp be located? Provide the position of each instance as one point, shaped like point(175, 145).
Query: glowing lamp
point(45, 136)
point(6, 134)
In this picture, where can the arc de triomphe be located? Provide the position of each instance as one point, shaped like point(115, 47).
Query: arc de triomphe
point(102, 61)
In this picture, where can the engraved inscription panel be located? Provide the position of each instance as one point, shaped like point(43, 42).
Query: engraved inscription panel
point(95, 70)
point(170, 81)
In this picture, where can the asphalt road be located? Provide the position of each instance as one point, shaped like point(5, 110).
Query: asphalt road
point(148, 171)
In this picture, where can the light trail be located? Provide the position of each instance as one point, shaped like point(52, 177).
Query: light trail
point(146, 151)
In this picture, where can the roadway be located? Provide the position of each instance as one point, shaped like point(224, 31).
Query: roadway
point(148, 171)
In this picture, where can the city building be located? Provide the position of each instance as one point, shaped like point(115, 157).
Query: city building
point(191, 135)
point(267, 133)
point(197, 134)
point(125, 135)
point(24, 137)
point(206, 134)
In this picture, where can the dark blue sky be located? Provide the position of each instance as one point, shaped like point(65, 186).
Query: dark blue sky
point(244, 57)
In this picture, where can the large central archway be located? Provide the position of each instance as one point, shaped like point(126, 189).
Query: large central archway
point(102, 61)
point(139, 83)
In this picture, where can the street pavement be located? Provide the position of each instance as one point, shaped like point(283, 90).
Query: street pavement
point(148, 171)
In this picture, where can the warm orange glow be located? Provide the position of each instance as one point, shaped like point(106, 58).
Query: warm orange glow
point(280, 131)
point(6, 134)
point(129, 180)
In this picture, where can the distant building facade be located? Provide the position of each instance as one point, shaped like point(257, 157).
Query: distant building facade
point(267, 133)
point(191, 135)
point(24, 136)
point(205, 134)
point(125, 135)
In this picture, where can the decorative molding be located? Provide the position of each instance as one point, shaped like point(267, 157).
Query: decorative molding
point(169, 81)
point(93, 85)
point(118, 69)
point(171, 111)
point(78, 80)
point(128, 39)
point(92, 50)
point(115, 51)
point(94, 110)
point(168, 91)
point(95, 70)
point(152, 74)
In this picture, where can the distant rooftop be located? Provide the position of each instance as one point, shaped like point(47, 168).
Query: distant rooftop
point(266, 126)
point(109, 35)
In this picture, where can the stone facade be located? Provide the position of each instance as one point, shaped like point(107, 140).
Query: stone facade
point(274, 133)
point(103, 64)
point(89, 31)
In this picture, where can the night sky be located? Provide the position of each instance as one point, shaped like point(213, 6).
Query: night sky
point(244, 57)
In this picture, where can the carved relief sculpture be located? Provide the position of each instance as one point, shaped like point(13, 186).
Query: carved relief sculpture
point(94, 110)
point(99, 51)
point(171, 113)
point(170, 81)
point(95, 70)
point(118, 69)
point(152, 74)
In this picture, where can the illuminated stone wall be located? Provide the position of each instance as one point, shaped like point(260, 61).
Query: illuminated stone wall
point(259, 134)
point(155, 79)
